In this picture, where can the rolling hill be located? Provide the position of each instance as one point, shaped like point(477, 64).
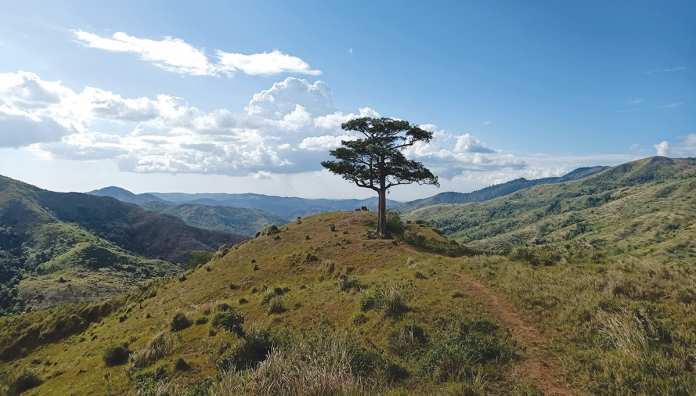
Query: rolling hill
point(125, 195)
point(317, 307)
point(108, 244)
point(644, 207)
point(495, 191)
point(221, 218)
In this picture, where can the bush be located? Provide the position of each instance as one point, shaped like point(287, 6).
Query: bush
point(346, 283)
point(456, 358)
point(199, 257)
point(180, 322)
point(392, 302)
point(115, 353)
point(275, 306)
point(407, 338)
point(253, 349)
point(230, 321)
point(25, 379)
point(394, 223)
point(158, 347)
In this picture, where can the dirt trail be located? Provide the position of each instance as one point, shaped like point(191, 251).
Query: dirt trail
point(538, 365)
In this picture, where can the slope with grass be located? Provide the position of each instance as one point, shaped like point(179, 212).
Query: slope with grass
point(644, 207)
point(220, 218)
point(313, 307)
point(97, 243)
point(316, 307)
point(495, 191)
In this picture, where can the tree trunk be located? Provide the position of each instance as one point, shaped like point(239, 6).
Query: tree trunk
point(382, 214)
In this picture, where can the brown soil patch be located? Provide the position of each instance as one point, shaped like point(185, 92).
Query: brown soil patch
point(539, 366)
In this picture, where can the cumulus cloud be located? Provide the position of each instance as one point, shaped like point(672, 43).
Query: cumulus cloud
point(288, 129)
point(284, 97)
point(167, 134)
point(469, 144)
point(175, 55)
point(662, 148)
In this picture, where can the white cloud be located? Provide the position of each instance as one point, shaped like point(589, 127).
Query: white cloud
point(662, 148)
point(290, 130)
point(672, 105)
point(263, 64)
point(637, 101)
point(485, 123)
point(323, 143)
point(175, 55)
point(681, 68)
point(283, 97)
point(261, 175)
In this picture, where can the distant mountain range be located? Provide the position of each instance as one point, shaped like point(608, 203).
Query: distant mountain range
point(106, 243)
point(287, 208)
point(495, 191)
point(221, 218)
point(125, 195)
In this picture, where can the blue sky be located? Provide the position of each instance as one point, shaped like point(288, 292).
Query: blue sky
point(249, 96)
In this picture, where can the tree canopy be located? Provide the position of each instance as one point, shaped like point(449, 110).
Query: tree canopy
point(377, 162)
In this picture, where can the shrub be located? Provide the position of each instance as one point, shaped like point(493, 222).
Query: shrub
point(115, 353)
point(230, 321)
point(158, 347)
point(392, 302)
point(199, 257)
point(23, 380)
point(394, 223)
point(275, 306)
point(179, 322)
point(181, 365)
point(223, 307)
point(249, 352)
point(455, 358)
point(407, 338)
point(201, 320)
point(346, 283)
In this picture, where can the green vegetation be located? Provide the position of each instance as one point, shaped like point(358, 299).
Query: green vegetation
point(220, 218)
point(310, 309)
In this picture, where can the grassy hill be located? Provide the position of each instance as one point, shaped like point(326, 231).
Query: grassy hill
point(644, 208)
point(316, 307)
point(221, 218)
point(100, 244)
point(495, 191)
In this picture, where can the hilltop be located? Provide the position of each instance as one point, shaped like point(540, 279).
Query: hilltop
point(98, 246)
point(316, 307)
point(126, 196)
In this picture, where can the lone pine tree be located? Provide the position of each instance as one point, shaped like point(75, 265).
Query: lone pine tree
point(377, 162)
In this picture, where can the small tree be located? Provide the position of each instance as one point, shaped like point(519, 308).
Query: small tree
point(376, 162)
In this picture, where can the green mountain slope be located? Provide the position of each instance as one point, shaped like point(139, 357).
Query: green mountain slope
point(496, 191)
point(317, 307)
point(645, 208)
point(221, 218)
point(46, 235)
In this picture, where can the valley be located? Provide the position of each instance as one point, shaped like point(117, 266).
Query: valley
point(584, 286)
